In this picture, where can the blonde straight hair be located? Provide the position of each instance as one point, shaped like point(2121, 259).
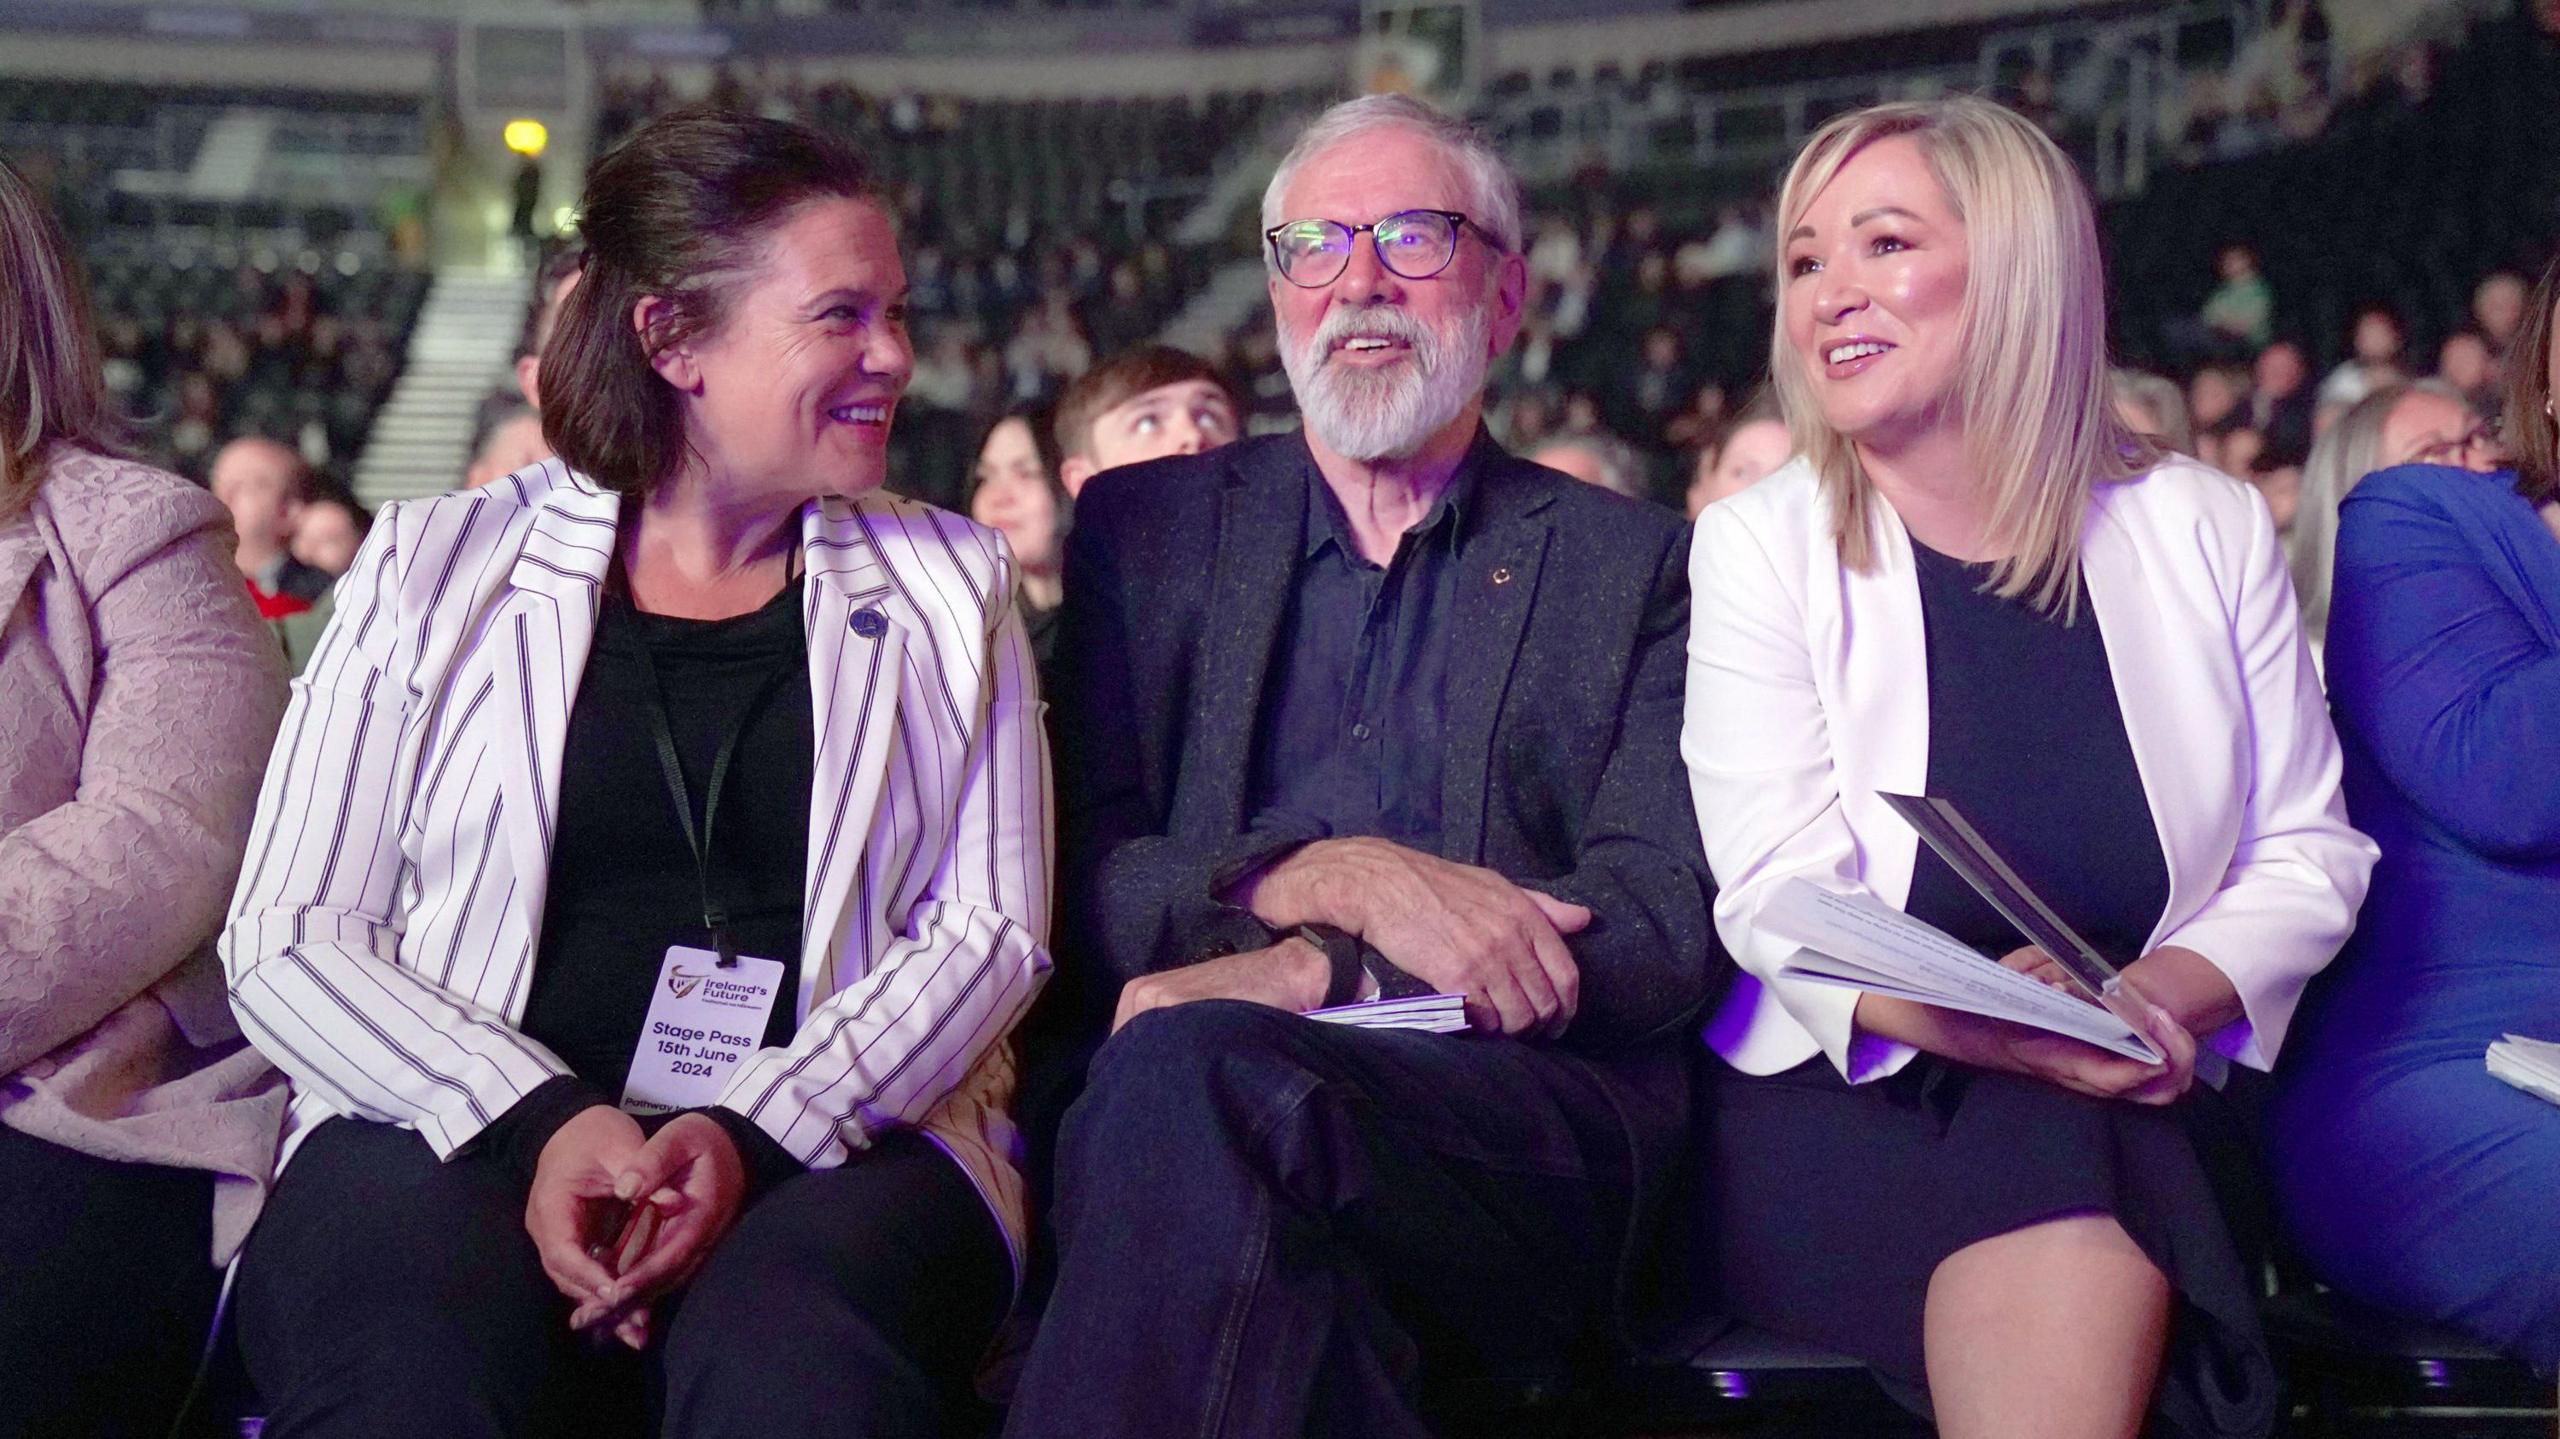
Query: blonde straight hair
point(2032, 391)
point(51, 389)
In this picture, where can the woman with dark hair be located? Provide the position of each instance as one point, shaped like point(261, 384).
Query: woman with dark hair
point(2407, 1174)
point(653, 866)
point(1017, 491)
point(138, 696)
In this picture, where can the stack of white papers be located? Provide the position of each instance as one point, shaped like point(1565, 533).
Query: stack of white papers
point(2532, 1065)
point(1859, 942)
point(1430, 1013)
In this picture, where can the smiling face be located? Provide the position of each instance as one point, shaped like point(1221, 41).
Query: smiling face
point(1873, 309)
point(1381, 364)
point(1189, 418)
point(1013, 495)
point(795, 391)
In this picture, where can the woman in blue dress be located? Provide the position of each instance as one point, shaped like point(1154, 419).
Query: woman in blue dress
point(2408, 1176)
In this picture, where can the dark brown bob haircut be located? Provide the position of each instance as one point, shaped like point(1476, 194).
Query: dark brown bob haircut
point(682, 210)
point(1122, 378)
point(2533, 437)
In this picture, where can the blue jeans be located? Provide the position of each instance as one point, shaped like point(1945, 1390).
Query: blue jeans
point(1269, 1226)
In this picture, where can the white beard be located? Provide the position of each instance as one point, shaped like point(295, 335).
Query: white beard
point(1387, 413)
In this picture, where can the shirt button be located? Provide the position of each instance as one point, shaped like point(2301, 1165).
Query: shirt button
point(1360, 731)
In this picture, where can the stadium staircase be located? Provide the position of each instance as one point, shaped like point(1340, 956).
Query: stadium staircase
point(464, 341)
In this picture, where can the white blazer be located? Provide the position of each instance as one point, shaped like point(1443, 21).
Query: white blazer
point(382, 939)
point(1808, 695)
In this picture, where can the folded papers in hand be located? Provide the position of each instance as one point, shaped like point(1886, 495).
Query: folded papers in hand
point(1859, 942)
point(1431, 1013)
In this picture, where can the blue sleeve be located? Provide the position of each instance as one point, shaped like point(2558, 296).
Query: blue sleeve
point(2436, 672)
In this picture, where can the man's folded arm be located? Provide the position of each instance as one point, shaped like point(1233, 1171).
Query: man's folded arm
point(1137, 899)
point(1649, 959)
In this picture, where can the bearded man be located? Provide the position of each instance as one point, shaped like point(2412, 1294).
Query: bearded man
point(1372, 708)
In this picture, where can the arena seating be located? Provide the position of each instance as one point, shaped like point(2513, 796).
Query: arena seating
point(202, 348)
point(279, 307)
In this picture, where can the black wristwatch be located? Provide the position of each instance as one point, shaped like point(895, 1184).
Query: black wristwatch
point(1342, 953)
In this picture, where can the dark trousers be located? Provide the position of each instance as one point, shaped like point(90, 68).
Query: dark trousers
point(107, 1290)
point(1270, 1226)
point(385, 1294)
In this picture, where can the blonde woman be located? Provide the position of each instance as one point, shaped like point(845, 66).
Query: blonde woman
point(2426, 422)
point(1975, 582)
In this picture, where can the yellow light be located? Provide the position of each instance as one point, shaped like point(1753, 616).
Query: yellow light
point(527, 137)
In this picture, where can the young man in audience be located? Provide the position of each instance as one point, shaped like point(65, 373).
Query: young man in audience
point(265, 485)
point(1142, 404)
point(1370, 708)
point(328, 532)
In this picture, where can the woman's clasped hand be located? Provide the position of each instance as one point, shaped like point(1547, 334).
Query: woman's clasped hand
point(623, 1219)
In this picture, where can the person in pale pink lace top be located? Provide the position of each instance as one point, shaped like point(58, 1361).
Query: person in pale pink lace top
point(138, 698)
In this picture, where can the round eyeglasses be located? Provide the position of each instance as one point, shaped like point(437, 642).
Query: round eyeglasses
point(1416, 244)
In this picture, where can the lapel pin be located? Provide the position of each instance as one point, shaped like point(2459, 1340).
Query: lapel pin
point(1502, 575)
point(870, 623)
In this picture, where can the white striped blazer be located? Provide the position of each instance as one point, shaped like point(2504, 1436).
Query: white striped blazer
point(381, 941)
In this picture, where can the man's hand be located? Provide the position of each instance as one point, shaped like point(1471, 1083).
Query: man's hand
point(1462, 929)
point(1290, 975)
point(694, 1178)
point(572, 1207)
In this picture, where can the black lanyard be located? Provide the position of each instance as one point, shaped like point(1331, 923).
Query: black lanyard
point(715, 907)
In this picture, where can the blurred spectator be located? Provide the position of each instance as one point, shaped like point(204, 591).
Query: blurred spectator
point(2280, 405)
point(264, 485)
point(2240, 315)
point(528, 205)
point(1595, 459)
point(2377, 343)
point(2238, 453)
point(2497, 309)
point(2276, 473)
point(1048, 349)
point(327, 533)
point(1754, 448)
point(1015, 491)
point(1143, 403)
point(2214, 398)
point(513, 441)
point(559, 276)
point(1696, 427)
point(2151, 406)
point(2465, 363)
point(1739, 246)
point(2428, 422)
point(1642, 401)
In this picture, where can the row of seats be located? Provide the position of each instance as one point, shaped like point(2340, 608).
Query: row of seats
point(200, 348)
point(2405, 201)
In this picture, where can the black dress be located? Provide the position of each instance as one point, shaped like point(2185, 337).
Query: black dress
point(1831, 1205)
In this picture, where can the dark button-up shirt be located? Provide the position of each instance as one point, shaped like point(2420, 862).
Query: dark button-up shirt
point(1349, 738)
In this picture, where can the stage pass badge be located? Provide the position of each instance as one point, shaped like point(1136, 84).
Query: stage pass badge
point(704, 1021)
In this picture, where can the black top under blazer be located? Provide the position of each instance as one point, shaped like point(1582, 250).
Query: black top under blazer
point(1563, 769)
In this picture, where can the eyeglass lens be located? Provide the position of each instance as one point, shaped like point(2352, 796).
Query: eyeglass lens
point(1416, 244)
